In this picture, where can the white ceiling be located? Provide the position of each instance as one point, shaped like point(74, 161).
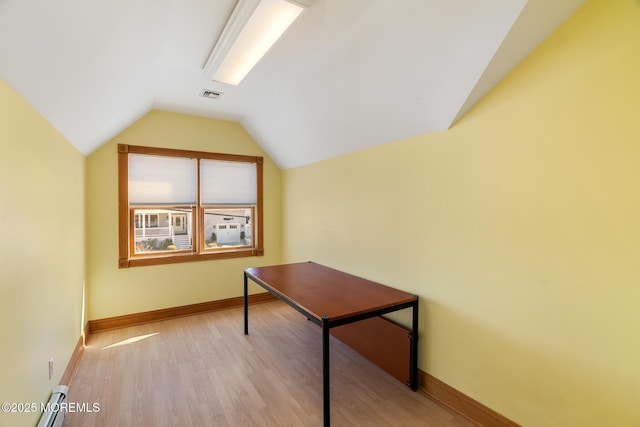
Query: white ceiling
point(348, 75)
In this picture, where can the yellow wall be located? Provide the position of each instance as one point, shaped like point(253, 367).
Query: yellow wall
point(42, 261)
point(519, 228)
point(114, 291)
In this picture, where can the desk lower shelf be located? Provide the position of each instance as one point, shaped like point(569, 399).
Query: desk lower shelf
point(383, 342)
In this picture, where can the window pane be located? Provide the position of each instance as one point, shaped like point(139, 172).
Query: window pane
point(162, 230)
point(223, 182)
point(228, 227)
point(162, 180)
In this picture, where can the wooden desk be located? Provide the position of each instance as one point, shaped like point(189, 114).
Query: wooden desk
point(331, 298)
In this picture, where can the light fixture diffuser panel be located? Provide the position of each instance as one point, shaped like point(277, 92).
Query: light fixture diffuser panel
point(264, 27)
point(303, 3)
point(234, 26)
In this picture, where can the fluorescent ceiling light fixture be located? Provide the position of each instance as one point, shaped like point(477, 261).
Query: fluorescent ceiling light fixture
point(254, 26)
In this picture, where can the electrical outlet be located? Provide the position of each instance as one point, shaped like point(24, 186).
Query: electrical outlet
point(51, 367)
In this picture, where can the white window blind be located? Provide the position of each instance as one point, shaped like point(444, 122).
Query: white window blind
point(162, 180)
point(224, 182)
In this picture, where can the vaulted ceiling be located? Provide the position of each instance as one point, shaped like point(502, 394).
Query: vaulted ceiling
point(349, 74)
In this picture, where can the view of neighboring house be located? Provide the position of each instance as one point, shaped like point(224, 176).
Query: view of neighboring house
point(172, 230)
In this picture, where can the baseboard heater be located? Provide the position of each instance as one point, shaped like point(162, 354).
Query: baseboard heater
point(53, 416)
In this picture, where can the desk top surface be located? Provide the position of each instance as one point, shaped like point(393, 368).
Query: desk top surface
point(324, 292)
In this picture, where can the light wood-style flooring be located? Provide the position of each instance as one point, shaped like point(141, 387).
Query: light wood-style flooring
point(202, 370)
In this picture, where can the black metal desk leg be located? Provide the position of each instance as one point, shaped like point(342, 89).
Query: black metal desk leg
point(246, 306)
point(413, 368)
point(326, 395)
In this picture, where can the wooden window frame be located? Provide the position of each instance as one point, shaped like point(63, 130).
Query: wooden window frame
point(126, 238)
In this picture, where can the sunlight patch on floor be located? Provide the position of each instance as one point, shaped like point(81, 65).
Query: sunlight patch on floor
point(129, 341)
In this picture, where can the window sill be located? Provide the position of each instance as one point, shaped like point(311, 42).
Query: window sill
point(176, 259)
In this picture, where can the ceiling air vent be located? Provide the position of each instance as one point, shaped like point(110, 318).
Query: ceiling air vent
point(206, 93)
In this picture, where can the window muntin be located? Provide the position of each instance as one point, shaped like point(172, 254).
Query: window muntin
point(178, 206)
